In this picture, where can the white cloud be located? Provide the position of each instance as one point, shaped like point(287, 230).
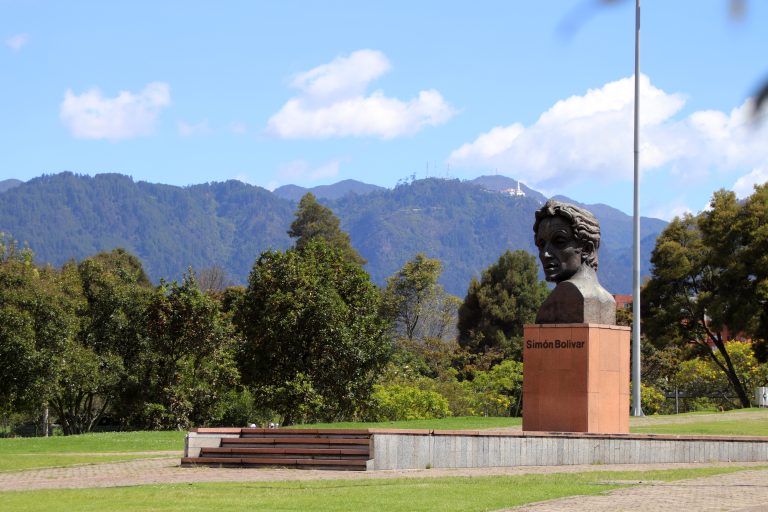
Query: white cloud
point(591, 137)
point(191, 129)
point(489, 145)
point(344, 77)
point(333, 103)
point(17, 42)
point(720, 140)
point(745, 185)
point(90, 115)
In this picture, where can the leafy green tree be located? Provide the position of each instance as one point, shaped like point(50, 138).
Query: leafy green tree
point(84, 383)
point(52, 342)
point(113, 327)
point(737, 233)
point(117, 290)
point(708, 279)
point(314, 339)
point(702, 382)
point(190, 362)
point(418, 306)
point(84, 387)
point(19, 367)
point(17, 352)
point(314, 221)
point(497, 307)
point(38, 320)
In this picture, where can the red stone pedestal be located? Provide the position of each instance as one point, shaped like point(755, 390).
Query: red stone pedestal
point(576, 378)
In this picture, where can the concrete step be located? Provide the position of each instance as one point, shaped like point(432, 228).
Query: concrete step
point(293, 448)
point(305, 452)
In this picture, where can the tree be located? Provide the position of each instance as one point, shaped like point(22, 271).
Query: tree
point(704, 282)
point(213, 279)
point(497, 307)
point(190, 357)
point(83, 385)
point(84, 388)
point(738, 234)
point(17, 352)
point(117, 291)
point(417, 305)
point(17, 325)
point(703, 383)
point(38, 320)
point(314, 340)
point(314, 221)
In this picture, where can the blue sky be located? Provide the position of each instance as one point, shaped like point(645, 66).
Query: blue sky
point(311, 93)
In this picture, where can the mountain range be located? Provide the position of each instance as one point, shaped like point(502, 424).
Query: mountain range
point(9, 184)
point(335, 191)
point(465, 224)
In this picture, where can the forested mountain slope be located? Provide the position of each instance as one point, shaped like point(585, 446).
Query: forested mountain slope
point(466, 224)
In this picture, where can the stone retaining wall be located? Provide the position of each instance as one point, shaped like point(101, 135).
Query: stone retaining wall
point(419, 449)
point(199, 438)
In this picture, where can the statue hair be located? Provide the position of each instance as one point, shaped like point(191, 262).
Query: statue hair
point(584, 224)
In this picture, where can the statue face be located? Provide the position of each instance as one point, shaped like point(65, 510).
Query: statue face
point(560, 251)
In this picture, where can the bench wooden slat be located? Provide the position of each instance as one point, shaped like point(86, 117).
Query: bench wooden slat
point(287, 451)
point(292, 440)
point(303, 462)
point(211, 460)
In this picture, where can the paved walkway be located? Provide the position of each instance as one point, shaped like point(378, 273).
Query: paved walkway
point(745, 491)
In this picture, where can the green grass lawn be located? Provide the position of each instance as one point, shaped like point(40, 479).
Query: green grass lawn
point(107, 442)
point(458, 494)
point(730, 424)
point(26, 453)
point(41, 452)
point(736, 427)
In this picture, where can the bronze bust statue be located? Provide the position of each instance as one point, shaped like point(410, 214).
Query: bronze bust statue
point(568, 238)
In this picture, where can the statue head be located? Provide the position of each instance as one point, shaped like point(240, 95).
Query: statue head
point(567, 238)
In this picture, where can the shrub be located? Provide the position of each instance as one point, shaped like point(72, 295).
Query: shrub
point(706, 387)
point(497, 392)
point(401, 402)
point(651, 398)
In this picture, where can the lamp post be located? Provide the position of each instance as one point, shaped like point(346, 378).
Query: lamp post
point(637, 409)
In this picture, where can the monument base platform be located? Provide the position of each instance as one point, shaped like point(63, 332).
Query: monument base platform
point(388, 449)
point(576, 378)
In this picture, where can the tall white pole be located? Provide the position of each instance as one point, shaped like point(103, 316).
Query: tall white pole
point(637, 409)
